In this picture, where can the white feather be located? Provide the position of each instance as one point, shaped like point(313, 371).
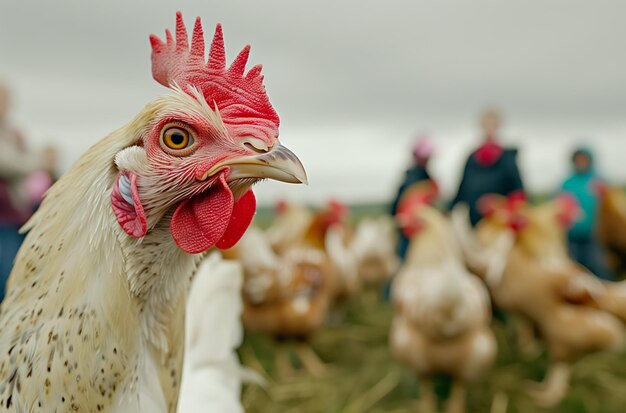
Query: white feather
point(211, 379)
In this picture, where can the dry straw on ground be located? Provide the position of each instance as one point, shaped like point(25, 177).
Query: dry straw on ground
point(363, 377)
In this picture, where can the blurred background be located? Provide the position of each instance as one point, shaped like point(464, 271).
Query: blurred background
point(355, 84)
point(353, 81)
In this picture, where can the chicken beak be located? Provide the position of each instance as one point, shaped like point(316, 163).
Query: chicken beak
point(279, 164)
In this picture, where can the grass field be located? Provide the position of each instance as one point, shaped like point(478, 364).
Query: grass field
point(363, 377)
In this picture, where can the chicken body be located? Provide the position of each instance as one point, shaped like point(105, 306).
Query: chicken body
point(344, 264)
point(543, 283)
point(540, 282)
point(612, 226)
point(373, 246)
point(559, 303)
point(211, 378)
point(94, 316)
point(442, 312)
point(289, 227)
point(284, 296)
point(325, 231)
point(76, 335)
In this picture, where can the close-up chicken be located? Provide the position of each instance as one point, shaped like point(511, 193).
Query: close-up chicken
point(153, 259)
point(93, 318)
point(441, 311)
point(535, 277)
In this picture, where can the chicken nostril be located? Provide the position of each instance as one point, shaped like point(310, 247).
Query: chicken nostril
point(256, 146)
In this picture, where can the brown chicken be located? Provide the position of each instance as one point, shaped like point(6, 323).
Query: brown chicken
point(612, 226)
point(329, 232)
point(528, 271)
point(285, 296)
point(442, 312)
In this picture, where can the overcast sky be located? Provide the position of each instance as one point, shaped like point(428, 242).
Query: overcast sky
point(353, 81)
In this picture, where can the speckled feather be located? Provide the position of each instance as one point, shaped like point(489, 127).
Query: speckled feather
point(90, 312)
point(93, 320)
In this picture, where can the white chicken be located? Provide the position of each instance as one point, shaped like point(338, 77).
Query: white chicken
point(373, 247)
point(93, 319)
point(290, 225)
point(441, 311)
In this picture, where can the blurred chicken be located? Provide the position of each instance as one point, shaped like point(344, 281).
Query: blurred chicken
point(291, 223)
point(442, 312)
point(533, 276)
point(612, 226)
point(284, 296)
point(329, 233)
point(373, 246)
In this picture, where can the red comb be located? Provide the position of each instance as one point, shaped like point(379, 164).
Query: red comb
point(281, 206)
point(239, 97)
point(508, 206)
point(569, 209)
point(336, 211)
point(422, 193)
point(490, 203)
point(338, 206)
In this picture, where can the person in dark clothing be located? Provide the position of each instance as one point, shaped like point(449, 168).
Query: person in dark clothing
point(418, 172)
point(586, 186)
point(490, 169)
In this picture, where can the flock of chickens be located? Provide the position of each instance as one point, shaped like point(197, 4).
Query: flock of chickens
point(94, 318)
point(305, 265)
point(515, 260)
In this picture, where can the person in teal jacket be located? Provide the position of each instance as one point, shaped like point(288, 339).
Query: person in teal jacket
point(585, 185)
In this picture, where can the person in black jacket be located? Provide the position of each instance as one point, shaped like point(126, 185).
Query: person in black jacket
point(490, 169)
point(418, 172)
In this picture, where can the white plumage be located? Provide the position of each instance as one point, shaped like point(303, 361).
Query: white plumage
point(373, 245)
point(442, 312)
point(211, 378)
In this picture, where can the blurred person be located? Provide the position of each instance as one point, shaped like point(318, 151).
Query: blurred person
point(421, 153)
point(40, 181)
point(586, 186)
point(16, 165)
point(490, 169)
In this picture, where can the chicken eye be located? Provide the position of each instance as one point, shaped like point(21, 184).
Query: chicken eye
point(176, 138)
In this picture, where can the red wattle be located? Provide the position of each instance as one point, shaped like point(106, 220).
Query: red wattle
point(200, 222)
point(243, 212)
point(132, 218)
point(212, 218)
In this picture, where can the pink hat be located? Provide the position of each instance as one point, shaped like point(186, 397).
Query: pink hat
point(36, 185)
point(423, 147)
